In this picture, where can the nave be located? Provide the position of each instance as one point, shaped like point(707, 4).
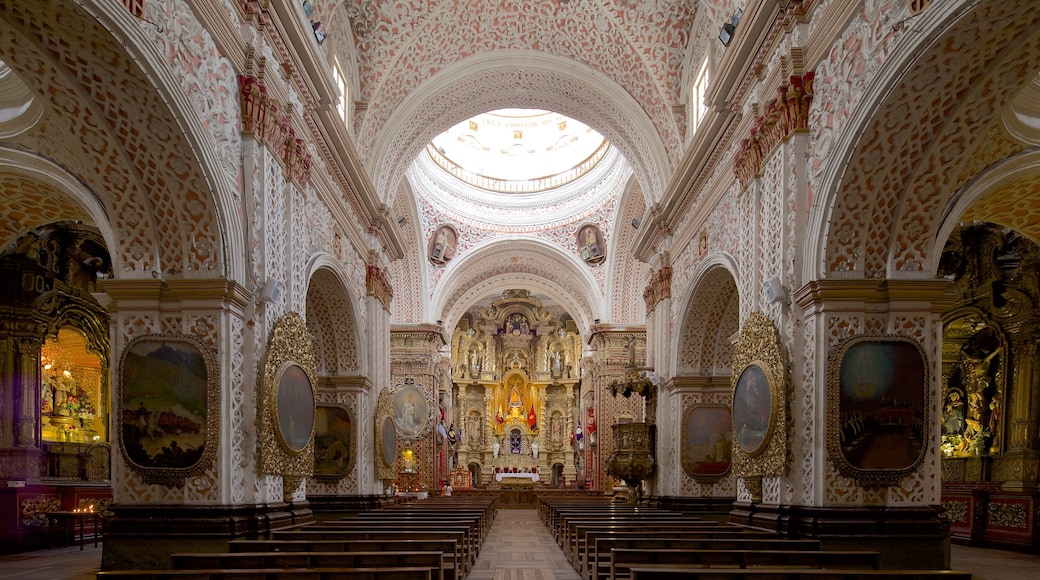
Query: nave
point(518, 546)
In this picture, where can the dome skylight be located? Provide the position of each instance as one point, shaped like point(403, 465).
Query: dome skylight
point(518, 150)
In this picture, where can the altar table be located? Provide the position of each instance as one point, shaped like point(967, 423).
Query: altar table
point(532, 476)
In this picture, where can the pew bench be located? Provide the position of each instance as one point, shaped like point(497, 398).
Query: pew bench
point(449, 547)
point(672, 572)
point(623, 559)
point(396, 573)
point(260, 560)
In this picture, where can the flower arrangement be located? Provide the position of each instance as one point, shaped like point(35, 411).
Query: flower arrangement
point(72, 404)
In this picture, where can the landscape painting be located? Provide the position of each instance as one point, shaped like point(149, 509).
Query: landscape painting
point(163, 402)
point(707, 441)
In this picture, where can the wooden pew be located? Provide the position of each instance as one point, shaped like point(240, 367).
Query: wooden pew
point(622, 559)
point(671, 572)
point(599, 565)
point(464, 534)
point(446, 547)
point(260, 560)
point(599, 541)
point(459, 555)
point(398, 573)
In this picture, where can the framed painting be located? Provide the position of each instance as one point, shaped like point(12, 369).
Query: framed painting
point(334, 450)
point(168, 407)
point(411, 412)
point(759, 399)
point(877, 396)
point(388, 442)
point(294, 407)
point(753, 404)
point(285, 417)
point(707, 442)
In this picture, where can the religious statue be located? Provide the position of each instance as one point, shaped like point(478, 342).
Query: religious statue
point(495, 448)
point(534, 449)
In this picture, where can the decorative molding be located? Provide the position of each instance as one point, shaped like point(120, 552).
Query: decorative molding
point(377, 284)
point(659, 288)
point(785, 115)
point(270, 123)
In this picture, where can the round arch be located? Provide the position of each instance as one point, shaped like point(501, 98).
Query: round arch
point(931, 118)
point(709, 315)
point(517, 262)
point(1007, 193)
point(333, 315)
point(535, 80)
point(42, 192)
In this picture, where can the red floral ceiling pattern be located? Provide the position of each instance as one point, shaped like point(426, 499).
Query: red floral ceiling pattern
point(640, 45)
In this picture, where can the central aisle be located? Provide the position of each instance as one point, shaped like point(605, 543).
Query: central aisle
point(519, 547)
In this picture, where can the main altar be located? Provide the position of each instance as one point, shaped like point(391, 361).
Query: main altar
point(515, 380)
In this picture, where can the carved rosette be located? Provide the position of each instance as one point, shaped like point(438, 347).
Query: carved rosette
point(659, 288)
point(290, 344)
point(759, 346)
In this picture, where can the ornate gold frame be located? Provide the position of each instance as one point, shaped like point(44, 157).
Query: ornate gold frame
point(688, 468)
point(759, 345)
point(175, 475)
point(289, 344)
point(385, 466)
point(871, 477)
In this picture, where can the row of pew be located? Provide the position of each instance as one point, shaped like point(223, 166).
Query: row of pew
point(612, 541)
point(435, 539)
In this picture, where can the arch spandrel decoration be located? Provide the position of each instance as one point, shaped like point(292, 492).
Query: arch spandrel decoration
point(759, 360)
point(286, 416)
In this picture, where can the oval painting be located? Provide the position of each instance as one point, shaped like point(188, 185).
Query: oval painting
point(295, 410)
point(752, 410)
point(388, 442)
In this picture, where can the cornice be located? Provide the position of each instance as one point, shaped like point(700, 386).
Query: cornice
point(304, 65)
point(698, 384)
point(864, 293)
point(431, 333)
point(349, 384)
point(226, 36)
point(143, 293)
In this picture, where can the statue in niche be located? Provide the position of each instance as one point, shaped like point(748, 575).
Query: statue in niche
point(475, 362)
point(443, 245)
point(590, 244)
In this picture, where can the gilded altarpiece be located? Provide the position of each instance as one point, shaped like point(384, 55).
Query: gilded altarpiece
point(416, 369)
point(989, 386)
point(515, 374)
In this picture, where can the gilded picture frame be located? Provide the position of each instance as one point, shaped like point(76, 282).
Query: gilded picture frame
point(285, 431)
point(384, 437)
point(707, 441)
point(877, 407)
point(168, 407)
point(760, 420)
point(335, 442)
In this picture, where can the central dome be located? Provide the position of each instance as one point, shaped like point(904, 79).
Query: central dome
point(518, 150)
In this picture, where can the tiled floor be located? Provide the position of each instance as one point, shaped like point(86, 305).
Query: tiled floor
point(518, 547)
